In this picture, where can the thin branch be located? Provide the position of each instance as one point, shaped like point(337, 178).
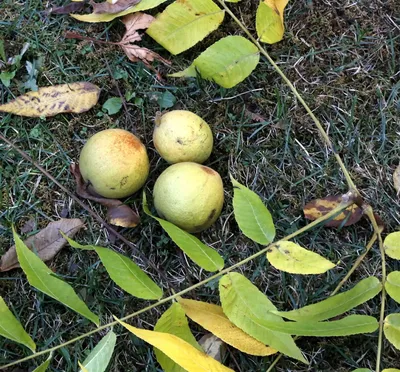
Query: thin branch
point(329, 215)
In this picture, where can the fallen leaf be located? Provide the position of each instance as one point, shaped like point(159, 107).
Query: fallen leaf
point(53, 100)
point(112, 7)
point(213, 346)
point(134, 22)
point(269, 20)
point(46, 243)
point(66, 9)
point(396, 179)
point(319, 207)
point(28, 226)
point(118, 213)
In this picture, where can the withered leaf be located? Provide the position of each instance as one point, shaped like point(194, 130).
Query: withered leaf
point(134, 22)
point(46, 243)
point(28, 226)
point(53, 100)
point(118, 213)
point(213, 346)
point(396, 179)
point(73, 7)
point(319, 207)
point(112, 7)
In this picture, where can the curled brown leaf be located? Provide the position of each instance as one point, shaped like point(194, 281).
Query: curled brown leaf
point(72, 7)
point(112, 8)
point(118, 213)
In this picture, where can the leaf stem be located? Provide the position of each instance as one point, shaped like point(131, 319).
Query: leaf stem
point(327, 216)
point(351, 185)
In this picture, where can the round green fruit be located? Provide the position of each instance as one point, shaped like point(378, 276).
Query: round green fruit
point(181, 136)
point(189, 195)
point(115, 163)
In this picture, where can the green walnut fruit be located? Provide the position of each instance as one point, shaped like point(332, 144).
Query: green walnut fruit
point(115, 163)
point(181, 136)
point(189, 195)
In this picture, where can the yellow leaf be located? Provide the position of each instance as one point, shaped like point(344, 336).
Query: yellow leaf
point(178, 350)
point(212, 318)
point(392, 245)
point(53, 100)
point(83, 369)
point(269, 20)
point(292, 258)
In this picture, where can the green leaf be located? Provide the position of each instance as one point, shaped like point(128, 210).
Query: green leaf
point(166, 100)
point(391, 370)
point(112, 105)
point(242, 302)
point(12, 329)
point(6, 77)
point(184, 23)
point(227, 62)
point(269, 20)
point(392, 245)
point(391, 328)
point(106, 17)
point(350, 325)
point(201, 254)
point(100, 356)
point(2, 51)
point(291, 258)
point(252, 216)
point(43, 279)
point(174, 322)
point(392, 285)
point(43, 367)
point(362, 370)
point(124, 272)
point(338, 304)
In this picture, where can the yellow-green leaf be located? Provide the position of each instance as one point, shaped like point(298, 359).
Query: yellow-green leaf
point(350, 325)
point(391, 370)
point(107, 17)
point(184, 23)
point(174, 322)
point(12, 329)
point(203, 255)
point(212, 318)
point(338, 304)
point(43, 279)
point(392, 285)
point(252, 216)
point(53, 100)
point(269, 20)
point(392, 245)
point(100, 356)
point(362, 370)
point(43, 367)
point(242, 301)
point(227, 62)
point(391, 328)
point(291, 258)
point(180, 351)
point(124, 272)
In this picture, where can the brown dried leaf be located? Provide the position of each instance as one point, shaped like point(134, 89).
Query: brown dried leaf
point(47, 242)
point(213, 346)
point(112, 8)
point(28, 226)
point(53, 100)
point(396, 179)
point(118, 213)
point(319, 207)
point(73, 7)
point(134, 22)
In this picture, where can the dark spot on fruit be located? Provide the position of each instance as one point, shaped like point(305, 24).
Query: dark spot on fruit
point(112, 188)
point(178, 140)
point(207, 170)
point(123, 182)
point(211, 215)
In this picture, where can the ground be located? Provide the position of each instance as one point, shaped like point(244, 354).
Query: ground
point(344, 59)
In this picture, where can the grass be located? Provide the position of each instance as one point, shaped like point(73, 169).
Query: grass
point(345, 62)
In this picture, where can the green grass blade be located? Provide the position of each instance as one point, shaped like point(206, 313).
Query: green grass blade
point(100, 356)
point(252, 216)
point(129, 276)
point(43, 367)
point(242, 302)
point(12, 329)
point(183, 24)
point(392, 285)
point(350, 325)
point(174, 322)
point(336, 305)
point(203, 255)
point(391, 328)
point(43, 279)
